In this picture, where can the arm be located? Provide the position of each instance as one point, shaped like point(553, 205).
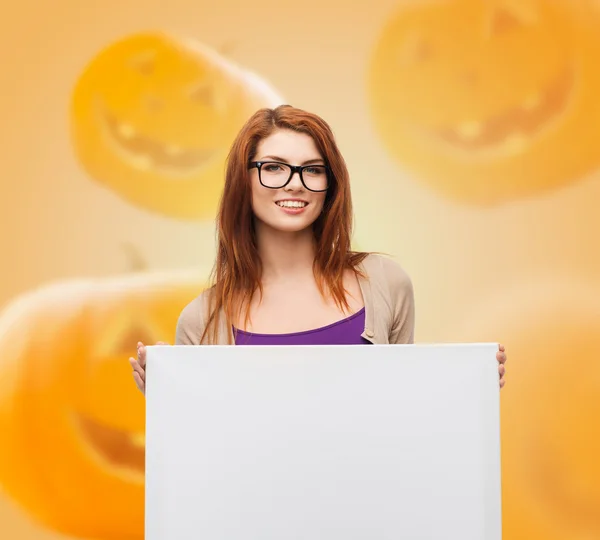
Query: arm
point(190, 324)
point(403, 302)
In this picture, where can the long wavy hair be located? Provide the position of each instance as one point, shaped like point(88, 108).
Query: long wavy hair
point(236, 275)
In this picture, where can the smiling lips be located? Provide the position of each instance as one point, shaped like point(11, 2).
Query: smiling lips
point(292, 206)
point(146, 153)
point(514, 127)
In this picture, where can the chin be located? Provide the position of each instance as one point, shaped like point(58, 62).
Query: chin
point(286, 224)
point(290, 227)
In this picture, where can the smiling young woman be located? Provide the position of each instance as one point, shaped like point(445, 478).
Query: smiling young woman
point(285, 273)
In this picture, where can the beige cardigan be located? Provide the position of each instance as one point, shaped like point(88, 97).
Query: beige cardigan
point(387, 293)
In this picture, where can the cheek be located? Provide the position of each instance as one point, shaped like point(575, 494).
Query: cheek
point(318, 202)
point(261, 198)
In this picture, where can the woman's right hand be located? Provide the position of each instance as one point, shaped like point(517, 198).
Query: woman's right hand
point(139, 366)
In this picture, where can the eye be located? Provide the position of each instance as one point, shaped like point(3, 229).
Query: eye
point(272, 167)
point(415, 49)
point(144, 63)
point(511, 15)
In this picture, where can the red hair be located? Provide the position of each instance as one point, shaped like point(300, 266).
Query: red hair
point(237, 271)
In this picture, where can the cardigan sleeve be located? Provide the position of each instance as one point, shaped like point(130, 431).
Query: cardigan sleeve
point(190, 324)
point(402, 301)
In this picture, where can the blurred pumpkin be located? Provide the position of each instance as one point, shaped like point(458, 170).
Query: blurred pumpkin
point(153, 118)
point(549, 408)
point(488, 102)
point(72, 421)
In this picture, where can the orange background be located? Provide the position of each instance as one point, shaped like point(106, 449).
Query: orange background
point(471, 136)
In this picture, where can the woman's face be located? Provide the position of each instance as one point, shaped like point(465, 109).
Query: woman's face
point(291, 208)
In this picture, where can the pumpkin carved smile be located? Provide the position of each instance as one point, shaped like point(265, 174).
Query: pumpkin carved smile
point(117, 448)
point(146, 153)
point(511, 130)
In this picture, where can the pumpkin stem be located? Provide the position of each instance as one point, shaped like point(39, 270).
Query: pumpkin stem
point(136, 261)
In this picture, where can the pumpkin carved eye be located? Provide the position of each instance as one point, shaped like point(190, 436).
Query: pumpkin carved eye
point(125, 343)
point(203, 93)
point(122, 334)
point(504, 21)
point(153, 103)
point(144, 63)
point(416, 49)
point(510, 15)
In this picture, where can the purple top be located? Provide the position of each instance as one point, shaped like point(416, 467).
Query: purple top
point(345, 332)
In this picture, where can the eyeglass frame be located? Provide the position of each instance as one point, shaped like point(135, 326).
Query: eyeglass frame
point(294, 169)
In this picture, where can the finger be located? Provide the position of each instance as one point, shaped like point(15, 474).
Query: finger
point(501, 370)
point(137, 368)
point(139, 383)
point(501, 357)
point(501, 347)
point(502, 383)
point(142, 355)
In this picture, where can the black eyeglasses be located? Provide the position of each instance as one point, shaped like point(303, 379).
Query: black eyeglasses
point(276, 175)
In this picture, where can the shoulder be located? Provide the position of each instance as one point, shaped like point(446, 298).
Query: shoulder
point(192, 321)
point(391, 296)
point(386, 274)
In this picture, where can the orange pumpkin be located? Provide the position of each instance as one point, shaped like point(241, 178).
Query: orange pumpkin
point(71, 418)
point(153, 118)
point(549, 408)
point(490, 101)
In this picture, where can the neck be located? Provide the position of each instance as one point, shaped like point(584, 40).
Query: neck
point(285, 255)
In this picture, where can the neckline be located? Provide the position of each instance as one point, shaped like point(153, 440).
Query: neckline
point(304, 332)
point(364, 282)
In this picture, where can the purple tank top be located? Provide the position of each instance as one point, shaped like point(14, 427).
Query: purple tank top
point(345, 332)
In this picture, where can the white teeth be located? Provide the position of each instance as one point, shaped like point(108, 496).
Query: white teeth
point(138, 439)
point(126, 131)
point(469, 130)
point(292, 204)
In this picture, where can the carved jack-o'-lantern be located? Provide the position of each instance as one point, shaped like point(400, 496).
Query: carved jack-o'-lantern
point(488, 101)
point(153, 118)
point(550, 407)
point(71, 418)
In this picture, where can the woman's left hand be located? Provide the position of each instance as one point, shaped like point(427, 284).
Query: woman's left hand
point(501, 357)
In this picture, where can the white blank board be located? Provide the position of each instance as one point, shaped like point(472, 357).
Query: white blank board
point(382, 442)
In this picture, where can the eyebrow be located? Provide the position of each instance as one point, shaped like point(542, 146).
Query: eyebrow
point(308, 162)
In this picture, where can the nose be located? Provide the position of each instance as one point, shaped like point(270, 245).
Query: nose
point(295, 184)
